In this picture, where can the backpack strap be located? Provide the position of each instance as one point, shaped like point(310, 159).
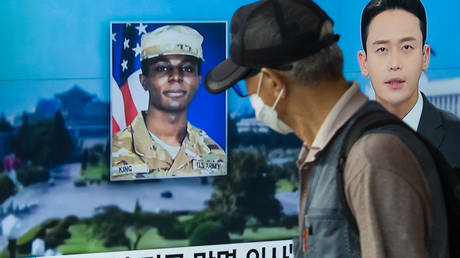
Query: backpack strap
point(448, 176)
point(370, 120)
point(366, 122)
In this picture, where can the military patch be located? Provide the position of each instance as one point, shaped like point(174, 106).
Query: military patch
point(129, 169)
point(207, 165)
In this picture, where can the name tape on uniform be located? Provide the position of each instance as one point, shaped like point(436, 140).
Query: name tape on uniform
point(207, 164)
point(129, 169)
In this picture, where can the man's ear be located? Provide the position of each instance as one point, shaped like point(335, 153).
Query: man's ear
point(142, 79)
point(426, 56)
point(362, 60)
point(276, 79)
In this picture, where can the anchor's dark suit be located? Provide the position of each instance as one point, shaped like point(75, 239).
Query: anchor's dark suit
point(442, 129)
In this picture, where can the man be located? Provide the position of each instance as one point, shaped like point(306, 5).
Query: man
point(393, 34)
point(286, 52)
point(160, 142)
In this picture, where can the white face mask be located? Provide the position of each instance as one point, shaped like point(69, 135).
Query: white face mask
point(266, 114)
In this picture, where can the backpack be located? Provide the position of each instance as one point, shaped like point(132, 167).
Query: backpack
point(449, 177)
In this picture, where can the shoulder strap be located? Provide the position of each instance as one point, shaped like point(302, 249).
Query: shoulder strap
point(367, 122)
point(372, 119)
point(448, 176)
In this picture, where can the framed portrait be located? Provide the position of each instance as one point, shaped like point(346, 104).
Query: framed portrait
point(164, 122)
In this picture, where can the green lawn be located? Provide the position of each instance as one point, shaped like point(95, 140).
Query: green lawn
point(29, 235)
point(79, 242)
point(80, 234)
point(263, 233)
point(284, 185)
point(183, 218)
point(5, 254)
point(151, 239)
point(94, 172)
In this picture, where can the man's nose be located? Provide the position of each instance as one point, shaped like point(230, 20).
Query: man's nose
point(395, 62)
point(176, 74)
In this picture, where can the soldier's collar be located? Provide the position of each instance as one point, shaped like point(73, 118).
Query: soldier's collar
point(143, 143)
point(194, 140)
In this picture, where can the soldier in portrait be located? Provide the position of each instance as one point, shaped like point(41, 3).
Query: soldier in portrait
point(161, 142)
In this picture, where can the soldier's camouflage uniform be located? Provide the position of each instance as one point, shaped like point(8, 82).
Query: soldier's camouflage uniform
point(136, 155)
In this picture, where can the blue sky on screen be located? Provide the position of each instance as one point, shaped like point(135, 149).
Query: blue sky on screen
point(52, 44)
point(59, 43)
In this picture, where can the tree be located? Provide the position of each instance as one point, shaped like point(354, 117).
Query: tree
point(137, 208)
point(59, 141)
point(38, 143)
point(56, 235)
point(20, 144)
point(209, 233)
point(232, 134)
point(7, 187)
point(248, 190)
point(106, 154)
point(84, 159)
point(5, 126)
point(32, 141)
point(110, 224)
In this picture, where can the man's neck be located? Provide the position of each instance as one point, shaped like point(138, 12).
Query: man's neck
point(413, 117)
point(169, 127)
point(311, 106)
point(401, 109)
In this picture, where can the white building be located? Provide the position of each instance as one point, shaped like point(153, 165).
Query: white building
point(252, 125)
point(444, 94)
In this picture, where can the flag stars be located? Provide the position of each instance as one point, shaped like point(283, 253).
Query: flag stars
point(141, 29)
point(126, 43)
point(112, 37)
point(124, 65)
point(137, 50)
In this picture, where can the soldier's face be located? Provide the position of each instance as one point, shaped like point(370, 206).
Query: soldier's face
point(172, 82)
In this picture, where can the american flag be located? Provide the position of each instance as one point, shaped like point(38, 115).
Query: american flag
point(127, 95)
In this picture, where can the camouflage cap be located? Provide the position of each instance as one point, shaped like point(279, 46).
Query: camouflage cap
point(172, 40)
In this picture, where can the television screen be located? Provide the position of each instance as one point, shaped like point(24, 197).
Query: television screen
point(71, 81)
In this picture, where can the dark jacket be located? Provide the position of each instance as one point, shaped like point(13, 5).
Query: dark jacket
point(442, 129)
point(329, 228)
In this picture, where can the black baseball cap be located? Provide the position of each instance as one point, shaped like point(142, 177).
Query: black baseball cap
point(297, 28)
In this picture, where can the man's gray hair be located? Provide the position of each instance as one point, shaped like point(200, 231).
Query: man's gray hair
point(325, 65)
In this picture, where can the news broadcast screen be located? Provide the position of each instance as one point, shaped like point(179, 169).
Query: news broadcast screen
point(72, 84)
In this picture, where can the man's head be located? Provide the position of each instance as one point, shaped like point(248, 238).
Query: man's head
point(274, 34)
point(171, 59)
point(395, 54)
point(282, 41)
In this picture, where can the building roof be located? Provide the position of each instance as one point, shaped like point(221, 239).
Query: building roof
point(75, 93)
